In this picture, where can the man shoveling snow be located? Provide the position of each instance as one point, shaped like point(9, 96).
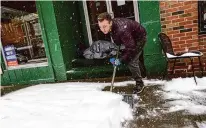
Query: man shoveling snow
point(133, 36)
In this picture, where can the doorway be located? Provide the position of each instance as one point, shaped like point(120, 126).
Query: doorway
point(125, 9)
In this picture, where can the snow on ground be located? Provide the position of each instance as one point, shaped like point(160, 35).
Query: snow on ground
point(64, 105)
point(201, 124)
point(78, 105)
point(184, 94)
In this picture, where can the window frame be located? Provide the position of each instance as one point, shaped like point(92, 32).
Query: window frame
point(201, 23)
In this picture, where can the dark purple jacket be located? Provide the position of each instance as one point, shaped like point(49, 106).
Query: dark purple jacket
point(129, 33)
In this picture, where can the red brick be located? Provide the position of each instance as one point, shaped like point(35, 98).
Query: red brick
point(179, 49)
point(195, 13)
point(188, 2)
point(191, 18)
point(178, 35)
point(179, 42)
point(195, 29)
point(177, 5)
point(195, 37)
point(176, 46)
point(172, 17)
point(172, 2)
point(185, 7)
point(185, 23)
point(173, 32)
point(162, 4)
point(175, 39)
point(195, 44)
point(191, 26)
point(183, 46)
point(177, 68)
point(185, 37)
point(191, 41)
point(166, 22)
point(190, 10)
point(191, 33)
point(201, 47)
point(166, 14)
point(178, 20)
point(189, 45)
point(193, 48)
point(172, 10)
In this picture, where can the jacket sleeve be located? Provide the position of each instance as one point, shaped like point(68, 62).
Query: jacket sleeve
point(130, 46)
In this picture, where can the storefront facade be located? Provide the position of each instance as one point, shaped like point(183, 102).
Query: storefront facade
point(44, 41)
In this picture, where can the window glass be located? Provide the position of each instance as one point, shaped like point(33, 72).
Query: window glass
point(21, 35)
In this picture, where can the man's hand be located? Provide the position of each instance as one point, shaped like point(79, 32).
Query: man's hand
point(115, 62)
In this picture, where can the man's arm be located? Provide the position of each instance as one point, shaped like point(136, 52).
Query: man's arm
point(130, 46)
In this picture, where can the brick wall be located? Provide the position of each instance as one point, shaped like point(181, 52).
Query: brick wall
point(179, 20)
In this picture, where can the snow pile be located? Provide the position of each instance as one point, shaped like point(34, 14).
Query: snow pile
point(201, 124)
point(65, 105)
point(184, 94)
point(185, 84)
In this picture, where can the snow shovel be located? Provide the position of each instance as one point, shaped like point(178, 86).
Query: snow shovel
point(114, 71)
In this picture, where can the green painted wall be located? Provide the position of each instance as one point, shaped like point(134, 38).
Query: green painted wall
point(49, 23)
point(69, 29)
point(150, 18)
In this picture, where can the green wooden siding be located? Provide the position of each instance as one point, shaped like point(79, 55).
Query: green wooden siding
point(27, 76)
point(51, 37)
point(150, 18)
point(66, 20)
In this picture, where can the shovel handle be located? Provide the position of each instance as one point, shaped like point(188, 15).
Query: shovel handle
point(113, 76)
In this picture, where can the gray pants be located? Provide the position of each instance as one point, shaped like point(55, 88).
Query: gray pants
point(136, 65)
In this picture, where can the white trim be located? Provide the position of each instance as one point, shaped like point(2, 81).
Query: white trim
point(25, 47)
point(109, 8)
point(3, 54)
point(87, 22)
point(32, 65)
point(136, 10)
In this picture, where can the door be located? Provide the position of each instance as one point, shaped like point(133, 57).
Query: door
point(125, 9)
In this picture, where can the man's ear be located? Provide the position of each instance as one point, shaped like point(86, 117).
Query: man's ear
point(110, 23)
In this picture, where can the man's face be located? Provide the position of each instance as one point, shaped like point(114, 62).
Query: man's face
point(105, 26)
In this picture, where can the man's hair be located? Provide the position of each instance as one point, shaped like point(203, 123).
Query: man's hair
point(104, 16)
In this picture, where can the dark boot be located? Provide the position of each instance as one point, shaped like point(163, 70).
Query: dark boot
point(139, 87)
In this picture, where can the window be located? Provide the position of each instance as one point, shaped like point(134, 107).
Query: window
point(21, 35)
point(127, 9)
point(202, 16)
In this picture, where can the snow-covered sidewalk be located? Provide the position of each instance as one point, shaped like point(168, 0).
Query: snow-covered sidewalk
point(84, 105)
point(184, 94)
point(65, 105)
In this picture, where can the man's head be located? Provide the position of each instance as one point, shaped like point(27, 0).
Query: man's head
point(105, 22)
